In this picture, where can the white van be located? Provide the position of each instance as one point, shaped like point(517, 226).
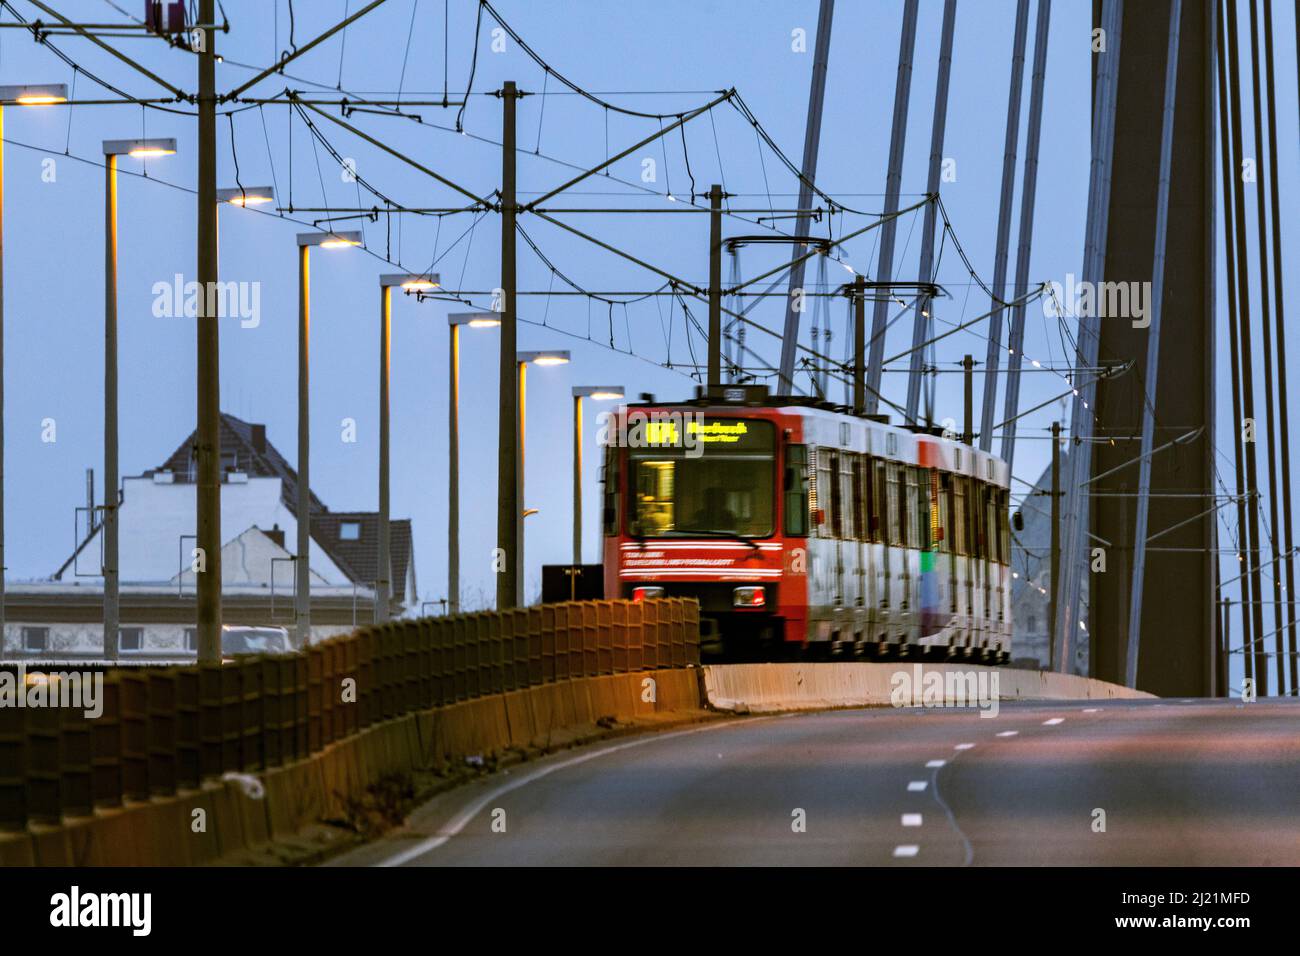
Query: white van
point(238, 639)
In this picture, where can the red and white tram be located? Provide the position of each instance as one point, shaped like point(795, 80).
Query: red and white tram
point(802, 527)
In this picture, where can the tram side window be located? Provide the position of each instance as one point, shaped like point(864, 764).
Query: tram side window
point(609, 482)
point(978, 490)
point(909, 535)
point(1004, 524)
point(990, 525)
point(986, 537)
point(893, 510)
point(921, 477)
point(959, 514)
point(848, 502)
point(873, 482)
point(857, 470)
point(939, 497)
point(826, 493)
point(835, 517)
point(882, 502)
point(796, 490)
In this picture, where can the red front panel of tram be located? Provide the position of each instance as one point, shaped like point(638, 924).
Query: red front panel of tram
point(698, 499)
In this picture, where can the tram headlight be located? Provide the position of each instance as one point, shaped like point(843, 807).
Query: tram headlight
point(749, 597)
point(647, 593)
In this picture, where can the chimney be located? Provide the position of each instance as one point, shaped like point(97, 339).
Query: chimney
point(276, 534)
point(259, 439)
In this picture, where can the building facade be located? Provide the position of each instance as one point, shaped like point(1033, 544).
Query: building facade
point(1031, 584)
point(61, 617)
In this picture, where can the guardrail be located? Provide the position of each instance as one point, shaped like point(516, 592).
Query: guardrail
point(166, 729)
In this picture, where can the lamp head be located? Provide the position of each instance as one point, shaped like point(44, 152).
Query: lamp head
point(410, 283)
point(35, 94)
point(475, 320)
point(547, 357)
point(605, 393)
point(330, 240)
point(140, 148)
point(247, 195)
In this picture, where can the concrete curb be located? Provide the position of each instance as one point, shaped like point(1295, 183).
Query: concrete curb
point(768, 688)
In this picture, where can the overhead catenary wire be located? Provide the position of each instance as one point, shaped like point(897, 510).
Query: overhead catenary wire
point(390, 206)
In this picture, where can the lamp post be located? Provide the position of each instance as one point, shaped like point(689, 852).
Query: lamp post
point(522, 361)
point(113, 148)
point(474, 320)
point(302, 567)
point(383, 573)
point(207, 444)
point(46, 95)
point(597, 393)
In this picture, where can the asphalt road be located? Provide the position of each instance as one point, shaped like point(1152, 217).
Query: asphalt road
point(1180, 783)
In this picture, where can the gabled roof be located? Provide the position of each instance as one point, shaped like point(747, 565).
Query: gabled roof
point(359, 556)
point(243, 448)
point(1035, 541)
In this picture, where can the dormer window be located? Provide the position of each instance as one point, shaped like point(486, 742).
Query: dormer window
point(350, 531)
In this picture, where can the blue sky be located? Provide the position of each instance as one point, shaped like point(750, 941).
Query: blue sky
point(681, 50)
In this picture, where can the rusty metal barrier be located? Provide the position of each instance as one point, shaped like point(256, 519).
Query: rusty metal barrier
point(189, 770)
point(163, 716)
point(167, 729)
point(13, 768)
point(106, 745)
point(75, 775)
point(135, 735)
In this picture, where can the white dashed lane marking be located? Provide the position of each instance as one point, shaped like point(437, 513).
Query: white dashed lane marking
point(911, 819)
point(917, 786)
point(1008, 733)
point(906, 849)
point(963, 747)
point(1052, 722)
point(935, 764)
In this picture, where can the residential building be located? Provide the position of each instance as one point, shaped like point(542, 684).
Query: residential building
point(1031, 586)
point(62, 616)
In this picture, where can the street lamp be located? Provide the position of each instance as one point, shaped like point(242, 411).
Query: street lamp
point(600, 393)
point(139, 148)
point(473, 320)
point(476, 320)
point(383, 576)
point(522, 361)
point(38, 94)
point(113, 148)
point(302, 569)
point(46, 95)
point(246, 195)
